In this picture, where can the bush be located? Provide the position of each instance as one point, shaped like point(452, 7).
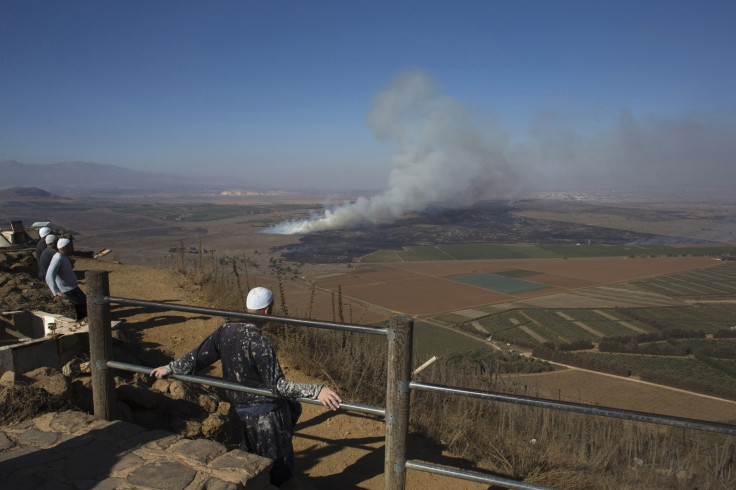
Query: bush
point(581, 344)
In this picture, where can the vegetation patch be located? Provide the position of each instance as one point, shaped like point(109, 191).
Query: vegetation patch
point(517, 273)
point(490, 361)
point(706, 317)
point(716, 281)
point(431, 340)
point(495, 282)
point(449, 318)
point(380, 256)
point(687, 373)
point(413, 254)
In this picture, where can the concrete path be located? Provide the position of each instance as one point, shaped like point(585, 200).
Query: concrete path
point(74, 450)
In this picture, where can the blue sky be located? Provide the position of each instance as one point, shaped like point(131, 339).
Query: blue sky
point(576, 94)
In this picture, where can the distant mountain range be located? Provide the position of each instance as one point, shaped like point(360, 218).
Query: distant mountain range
point(29, 194)
point(67, 177)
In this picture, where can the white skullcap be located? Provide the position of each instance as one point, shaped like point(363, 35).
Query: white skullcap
point(63, 242)
point(44, 231)
point(50, 238)
point(258, 298)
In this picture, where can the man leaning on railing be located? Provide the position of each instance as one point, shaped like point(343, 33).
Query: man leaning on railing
point(249, 358)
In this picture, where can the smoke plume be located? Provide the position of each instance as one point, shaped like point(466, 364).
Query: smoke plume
point(440, 159)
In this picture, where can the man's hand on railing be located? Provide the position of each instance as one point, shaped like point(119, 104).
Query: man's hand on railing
point(329, 398)
point(159, 372)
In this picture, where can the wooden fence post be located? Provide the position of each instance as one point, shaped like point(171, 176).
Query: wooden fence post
point(400, 338)
point(100, 344)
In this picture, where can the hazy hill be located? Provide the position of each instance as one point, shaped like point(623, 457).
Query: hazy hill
point(84, 176)
point(28, 194)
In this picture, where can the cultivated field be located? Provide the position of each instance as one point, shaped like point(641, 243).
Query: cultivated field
point(429, 288)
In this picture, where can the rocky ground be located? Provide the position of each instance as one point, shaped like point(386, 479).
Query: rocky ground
point(20, 288)
point(334, 450)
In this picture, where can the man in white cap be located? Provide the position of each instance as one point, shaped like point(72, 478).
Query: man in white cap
point(249, 358)
point(44, 260)
point(41, 243)
point(62, 281)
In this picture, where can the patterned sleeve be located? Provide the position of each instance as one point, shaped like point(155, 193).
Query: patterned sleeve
point(292, 389)
point(202, 356)
point(273, 377)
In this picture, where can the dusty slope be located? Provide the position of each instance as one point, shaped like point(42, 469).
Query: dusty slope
point(334, 451)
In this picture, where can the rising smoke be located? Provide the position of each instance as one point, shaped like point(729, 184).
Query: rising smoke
point(440, 159)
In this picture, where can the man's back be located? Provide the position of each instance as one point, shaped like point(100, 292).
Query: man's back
point(248, 358)
point(60, 277)
point(44, 260)
point(40, 247)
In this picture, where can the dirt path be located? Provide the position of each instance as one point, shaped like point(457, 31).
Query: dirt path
point(333, 451)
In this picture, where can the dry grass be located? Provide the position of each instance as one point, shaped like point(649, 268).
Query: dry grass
point(567, 450)
point(19, 402)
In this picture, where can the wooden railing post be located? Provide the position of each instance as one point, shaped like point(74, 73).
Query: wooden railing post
point(400, 337)
point(100, 344)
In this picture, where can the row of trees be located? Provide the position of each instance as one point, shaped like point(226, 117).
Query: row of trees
point(569, 358)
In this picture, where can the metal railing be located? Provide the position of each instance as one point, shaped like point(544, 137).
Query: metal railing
point(398, 385)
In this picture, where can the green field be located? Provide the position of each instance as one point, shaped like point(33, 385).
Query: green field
point(678, 331)
point(382, 256)
point(503, 322)
point(431, 340)
point(414, 254)
point(475, 251)
point(450, 318)
point(561, 326)
point(517, 273)
point(500, 283)
point(715, 281)
point(705, 317)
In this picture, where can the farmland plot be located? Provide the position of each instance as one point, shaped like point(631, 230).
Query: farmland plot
point(424, 288)
point(705, 282)
point(676, 371)
point(694, 318)
point(607, 322)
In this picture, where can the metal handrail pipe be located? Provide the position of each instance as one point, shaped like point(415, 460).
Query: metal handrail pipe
point(227, 385)
point(250, 316)
point(14, 340)
point(579, 408)
point(471, 476)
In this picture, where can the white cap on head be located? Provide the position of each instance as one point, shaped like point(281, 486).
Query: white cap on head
point(50, 238)
point(63, 242)
point(258, 298)
point(44, 231)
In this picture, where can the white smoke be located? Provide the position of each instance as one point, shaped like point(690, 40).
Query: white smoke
point(440, 159)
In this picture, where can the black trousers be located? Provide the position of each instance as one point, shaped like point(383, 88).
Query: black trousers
point(79, 300)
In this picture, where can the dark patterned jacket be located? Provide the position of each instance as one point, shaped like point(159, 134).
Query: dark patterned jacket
point(44, 260)
point(247, 358)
